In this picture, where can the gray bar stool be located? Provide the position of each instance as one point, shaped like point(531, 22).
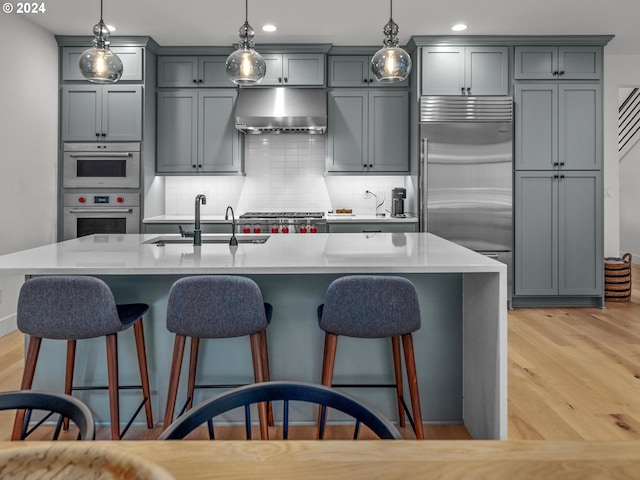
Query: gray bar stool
point(372, 306)
point(216, 306)
point(72, 308)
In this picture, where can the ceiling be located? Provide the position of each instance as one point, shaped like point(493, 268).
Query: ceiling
point(345, 22)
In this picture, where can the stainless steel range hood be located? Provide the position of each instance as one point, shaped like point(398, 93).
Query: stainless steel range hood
point(281, 110)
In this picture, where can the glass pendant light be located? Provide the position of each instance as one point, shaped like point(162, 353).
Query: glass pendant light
point(391, 63)
point(245, 66)
point(99, 64)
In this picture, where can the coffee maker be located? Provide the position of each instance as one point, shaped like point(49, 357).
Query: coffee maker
point(397, 202)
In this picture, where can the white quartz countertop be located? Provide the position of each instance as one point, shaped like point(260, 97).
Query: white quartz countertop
point(281, 254)
point(330, 217)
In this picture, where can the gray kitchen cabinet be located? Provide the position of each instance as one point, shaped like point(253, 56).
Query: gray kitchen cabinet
point(355, 71)
point(368, 131)
point(558, 126)
point(454, 70)
point(372, 227)
point(165, 228)
point(294, 69)
point(558, 233)
point(176, 71)
point(558, 63)
point(196, 132)
point(132, 63)
point(101, 112)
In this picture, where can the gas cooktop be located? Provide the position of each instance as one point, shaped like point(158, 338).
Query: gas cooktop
point(249, 215)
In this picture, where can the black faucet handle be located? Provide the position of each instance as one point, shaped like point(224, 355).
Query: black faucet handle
point(182, 233)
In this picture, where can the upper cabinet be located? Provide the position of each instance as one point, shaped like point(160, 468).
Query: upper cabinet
point(368, 131)
point(558, 63)
point(93, 112)
point(465, 71)
point(196, 132)
point(294, 69)
point(355, 71)
point(193, 71)
point(558, 126)
point(132, 63)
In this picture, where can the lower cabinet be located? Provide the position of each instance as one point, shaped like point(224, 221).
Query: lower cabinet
point(377, 227)
point(196, 132)
point(368, 131)
point(558, 233)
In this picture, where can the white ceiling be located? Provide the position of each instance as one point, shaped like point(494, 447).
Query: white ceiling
point(345, 22)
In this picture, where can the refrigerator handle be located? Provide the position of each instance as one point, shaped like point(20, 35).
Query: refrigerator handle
point(424, 144)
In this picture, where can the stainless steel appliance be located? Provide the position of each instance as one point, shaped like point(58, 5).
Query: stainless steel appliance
point(101, 165)
point(397, 201)
point(466, 172)
point(281, 110)
point(282, 222)
point(89, 213)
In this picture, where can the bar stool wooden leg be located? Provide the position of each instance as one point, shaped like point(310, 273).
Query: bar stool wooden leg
point(258, 372)
point(267, 375)
point(174, 378)
point(397, 368)
point(27, 381)
point(193, 364)
point(412, 378)
point(138, 330)
point(68, 376)
point(328, 362)
point(114, 395)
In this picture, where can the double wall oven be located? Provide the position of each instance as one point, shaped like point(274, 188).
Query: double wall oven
point(101, 189)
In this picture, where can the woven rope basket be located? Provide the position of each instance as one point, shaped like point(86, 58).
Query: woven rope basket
point(617, 279)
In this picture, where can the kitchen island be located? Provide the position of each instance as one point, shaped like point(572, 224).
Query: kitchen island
point(461, 348)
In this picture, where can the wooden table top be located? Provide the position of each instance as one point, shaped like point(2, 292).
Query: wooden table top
point(403, 459)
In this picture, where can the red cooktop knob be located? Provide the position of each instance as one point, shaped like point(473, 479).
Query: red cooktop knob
point(119, 199)
point(303, 229)
point(256, 230)
point(313, 230)
point(274, 230)
point(82, 199)
point(285, 229)
point(246, 230)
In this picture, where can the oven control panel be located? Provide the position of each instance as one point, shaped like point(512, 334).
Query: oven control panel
point(84, 199)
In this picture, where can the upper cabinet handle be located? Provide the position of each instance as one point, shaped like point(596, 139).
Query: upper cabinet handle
point(561, 72)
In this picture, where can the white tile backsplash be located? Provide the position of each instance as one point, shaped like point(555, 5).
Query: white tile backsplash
point(283, 172)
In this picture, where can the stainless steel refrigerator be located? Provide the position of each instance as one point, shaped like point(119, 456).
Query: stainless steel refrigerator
point(466, 172)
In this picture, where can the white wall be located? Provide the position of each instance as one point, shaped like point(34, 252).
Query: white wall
point(28, 146)
point(630, 202)
point(619, 71)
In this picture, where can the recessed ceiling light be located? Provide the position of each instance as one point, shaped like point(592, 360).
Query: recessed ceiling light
point(458, 27)
point(269, 28)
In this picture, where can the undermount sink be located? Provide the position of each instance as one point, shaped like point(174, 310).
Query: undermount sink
point(207, 238)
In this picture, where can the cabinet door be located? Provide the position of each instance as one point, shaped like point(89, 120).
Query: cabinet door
point(536, 63)
point(303, 69)
point(536, 142)
point(388, 148)
point(132, 59)
point(177, 132)
point(81, 108)
point(580, 233)
point(580, 63)
point(487, 70)
point(348, 131)
point(218, 139)
point(178, 71)
point(536, 238)
point(349, 71)
point(443, 70)
point(122, 113)
point(580, 128)
point(273, 76)
point(213, 72)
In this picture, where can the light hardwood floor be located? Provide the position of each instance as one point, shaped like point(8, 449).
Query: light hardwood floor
point(574, 374)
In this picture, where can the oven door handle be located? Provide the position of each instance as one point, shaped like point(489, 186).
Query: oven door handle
point(99, 210)
point(102, 155)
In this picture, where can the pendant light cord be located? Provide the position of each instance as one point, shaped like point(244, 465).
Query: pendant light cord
point(390, 9)
point(246, 11)
point(101, 10)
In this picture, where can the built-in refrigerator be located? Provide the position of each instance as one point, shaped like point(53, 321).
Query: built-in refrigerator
point(466, 172)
